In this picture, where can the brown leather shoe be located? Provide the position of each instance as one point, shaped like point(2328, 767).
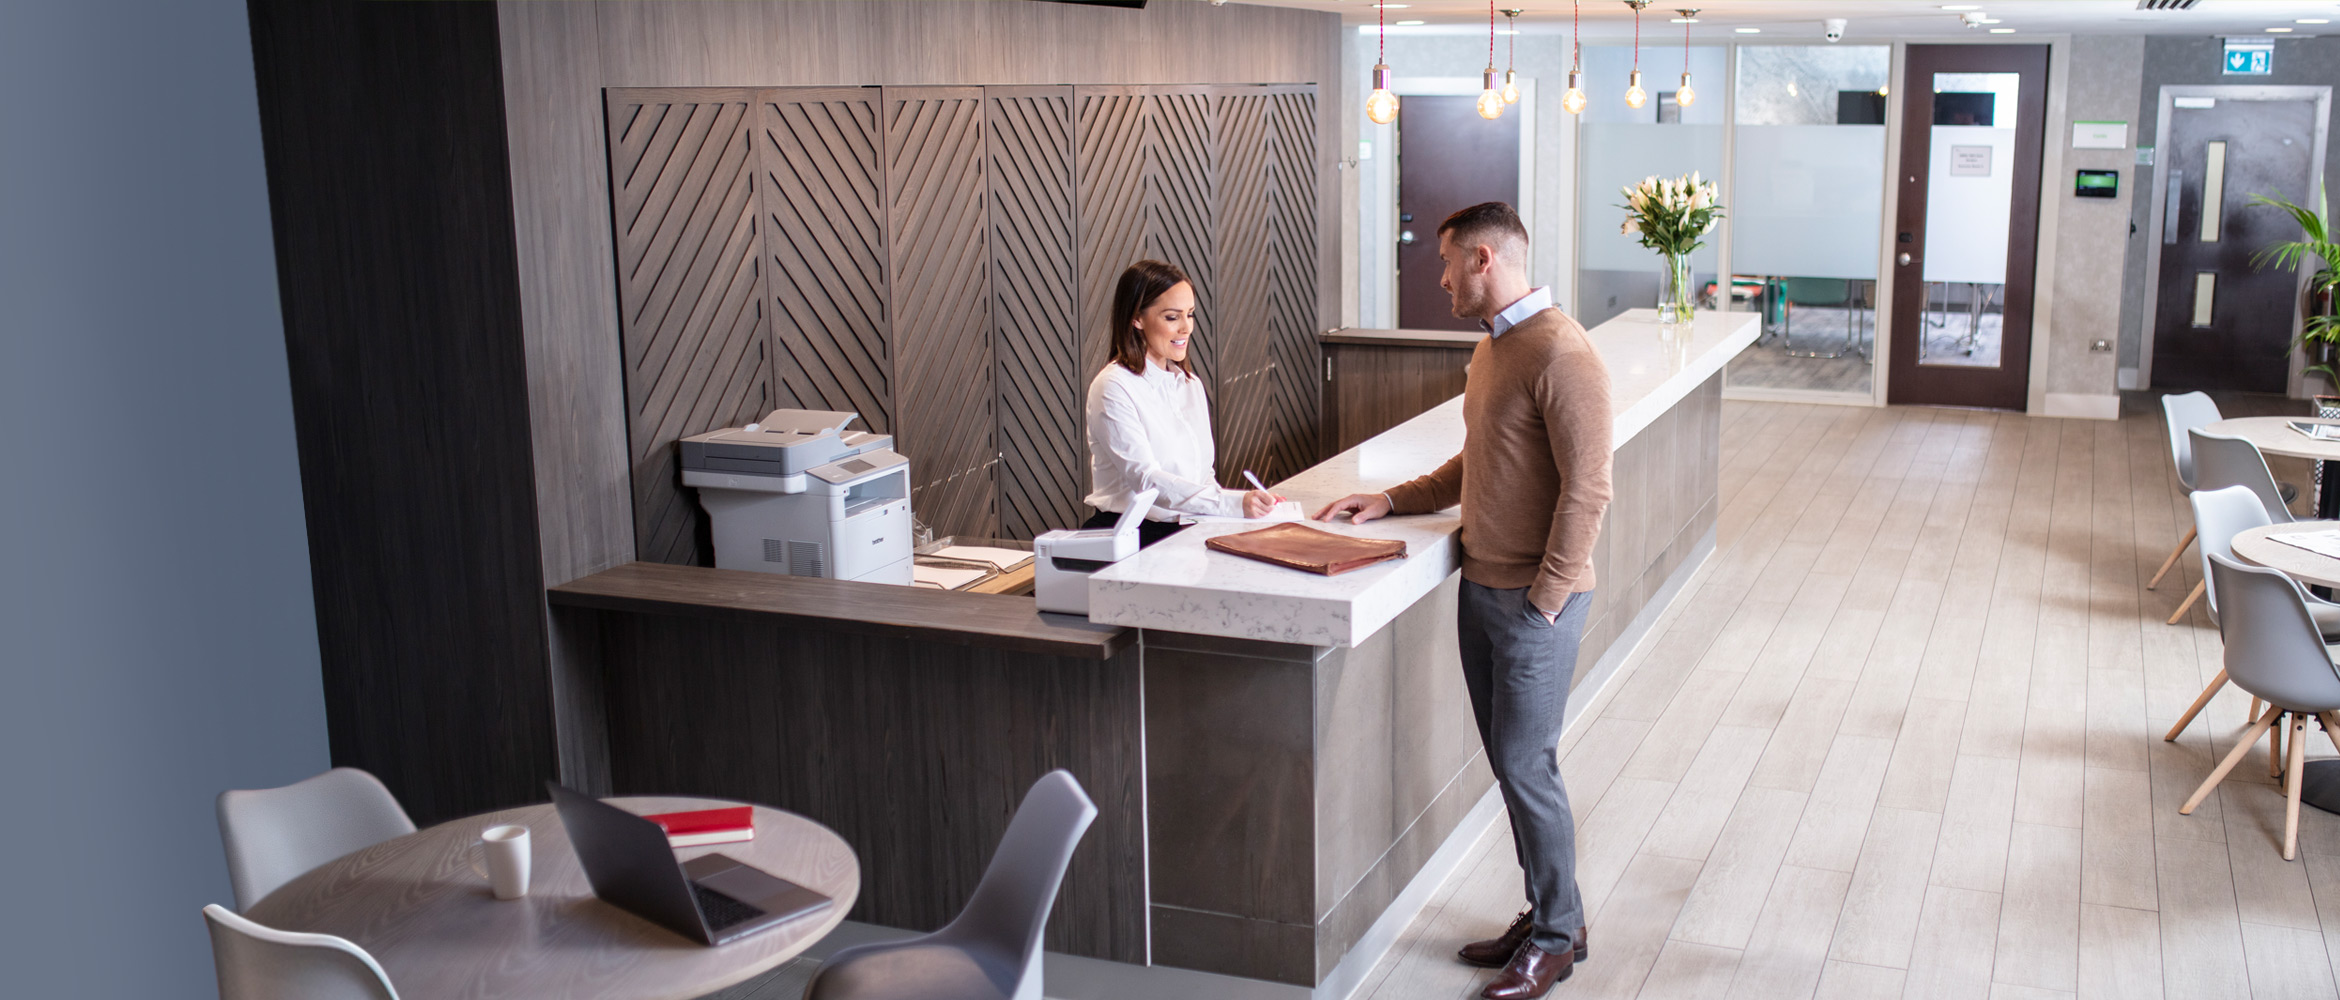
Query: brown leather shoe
point(1495, 952)
point(1530, 974)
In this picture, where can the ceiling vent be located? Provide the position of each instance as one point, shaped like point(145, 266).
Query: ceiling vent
point(2166, 4)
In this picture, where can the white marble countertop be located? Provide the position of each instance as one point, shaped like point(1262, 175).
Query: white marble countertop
point(1181, 585)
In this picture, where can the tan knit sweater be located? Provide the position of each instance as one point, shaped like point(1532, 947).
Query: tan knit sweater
point(1533, 476)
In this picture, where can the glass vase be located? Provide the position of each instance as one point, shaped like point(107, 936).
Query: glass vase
point(1676, 297)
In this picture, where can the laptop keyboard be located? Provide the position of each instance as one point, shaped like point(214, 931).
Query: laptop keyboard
point(720, 910)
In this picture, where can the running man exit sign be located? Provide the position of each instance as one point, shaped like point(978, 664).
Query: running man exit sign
point(2250, 56)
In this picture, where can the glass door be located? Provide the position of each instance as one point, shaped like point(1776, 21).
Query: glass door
point(1966, 230)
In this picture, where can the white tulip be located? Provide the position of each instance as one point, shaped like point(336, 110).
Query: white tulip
point(1630, 227)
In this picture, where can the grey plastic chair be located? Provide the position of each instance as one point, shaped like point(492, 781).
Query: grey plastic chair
point(257, 962)
point(273, 835)
point(2181, 413)
point(2219, 515)
point(2274, 652)
point(2219, 462)
point(991, 951)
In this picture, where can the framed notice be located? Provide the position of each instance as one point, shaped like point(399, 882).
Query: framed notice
point(2100, 135)
point(1970, 161)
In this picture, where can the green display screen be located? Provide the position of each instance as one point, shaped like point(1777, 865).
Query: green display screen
point(2097, 184)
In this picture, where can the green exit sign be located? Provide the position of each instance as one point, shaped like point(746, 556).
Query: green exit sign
point(2250, 56)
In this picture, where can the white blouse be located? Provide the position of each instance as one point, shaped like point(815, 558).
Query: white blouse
point(1153, 431)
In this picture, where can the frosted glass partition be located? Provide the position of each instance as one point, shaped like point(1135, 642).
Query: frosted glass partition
point(1620, 146)
point(1807, 211)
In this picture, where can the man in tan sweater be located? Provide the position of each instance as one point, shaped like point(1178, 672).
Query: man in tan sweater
point(1533, 481)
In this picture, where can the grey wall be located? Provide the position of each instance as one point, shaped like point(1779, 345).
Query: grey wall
point(2102, 86)
point(2298, 62)
point(157, 642)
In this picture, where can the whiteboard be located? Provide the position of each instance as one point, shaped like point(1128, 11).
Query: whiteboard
point(1966, 216)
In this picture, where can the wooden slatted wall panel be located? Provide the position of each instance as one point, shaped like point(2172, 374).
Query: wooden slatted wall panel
point(1109, 170)
point(1240, 327)
point(1294, 399)
point(825, 250)
point(684, 209)
point(1182, 205)
point(1043, 473)
point(942, 343)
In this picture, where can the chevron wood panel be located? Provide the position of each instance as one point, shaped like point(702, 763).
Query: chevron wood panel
point(1297, 360)
point(825, 250)
point(942, 345)
point(1181, 203)
point(1240, 326)
point(1043, 473)
point(1109, 170)
point(692, 324)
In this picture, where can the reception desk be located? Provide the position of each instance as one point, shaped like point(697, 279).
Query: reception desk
point(1277, 757)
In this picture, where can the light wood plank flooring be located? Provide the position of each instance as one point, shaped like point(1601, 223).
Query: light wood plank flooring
point(1902, 739)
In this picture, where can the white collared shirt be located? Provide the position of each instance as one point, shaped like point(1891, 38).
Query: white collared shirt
point(1153, 432)
point(1535, 301)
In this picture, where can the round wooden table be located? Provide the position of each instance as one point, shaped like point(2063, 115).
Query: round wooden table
point(2274, 436)
point(420, 903)
point(2259, 549)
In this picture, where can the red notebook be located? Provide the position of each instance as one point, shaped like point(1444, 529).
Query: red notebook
point(700, 827)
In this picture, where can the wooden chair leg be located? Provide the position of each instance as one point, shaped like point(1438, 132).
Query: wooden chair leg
point(2331, 727)
point(2291, 782)
point(2254, 708)
point(2196, 709)
point(2275, 748)
point(2250, 738)
point(2172, 560)
point(2189, 603)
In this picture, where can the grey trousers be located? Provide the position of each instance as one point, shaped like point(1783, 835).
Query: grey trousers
point(1518, 667)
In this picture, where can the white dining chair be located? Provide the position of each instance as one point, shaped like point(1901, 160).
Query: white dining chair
point(2274, 652)
point(2220, 462)
point(272, 835)
point(257, 962)
point(991, 950)
point(2183, 412)
point(2219, 515)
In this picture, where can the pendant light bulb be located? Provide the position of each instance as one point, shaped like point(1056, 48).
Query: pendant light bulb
point(1510, 87)
point(1635, 97)
point(1491, 99)
point(1382, 106)
point(1685, 95)
point(1573, 102)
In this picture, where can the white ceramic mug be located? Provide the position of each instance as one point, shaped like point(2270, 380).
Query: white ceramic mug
point(506, 848)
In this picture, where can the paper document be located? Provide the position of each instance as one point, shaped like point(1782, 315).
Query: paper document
point(1289, 510)
point(1003, 559)
point(2320, 432)
point(945, 577)
point(2322, 543)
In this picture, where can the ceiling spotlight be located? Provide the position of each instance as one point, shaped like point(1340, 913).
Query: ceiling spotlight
point(1748, 31)
point(2279, 31)
point(1962, 6)
point(1973, 19)
point(2313, 20)
point(2002, 31)
point(1408, 24)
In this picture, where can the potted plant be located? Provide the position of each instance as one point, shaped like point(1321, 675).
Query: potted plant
point(2320, 333)
point(1670, 216)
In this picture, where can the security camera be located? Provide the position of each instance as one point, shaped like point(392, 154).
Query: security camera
point(1833, 29)
point(1974, 19)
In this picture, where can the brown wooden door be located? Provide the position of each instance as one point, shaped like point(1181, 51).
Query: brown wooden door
point(1449, 159)
point(2221, 322)
point(1966, 230)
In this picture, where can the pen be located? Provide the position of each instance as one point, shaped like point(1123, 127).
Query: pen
point(1260, 486)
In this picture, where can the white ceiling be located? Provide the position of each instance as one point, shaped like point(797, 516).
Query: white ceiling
point(1866, 19)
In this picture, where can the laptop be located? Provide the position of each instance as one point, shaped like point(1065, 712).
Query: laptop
point(713, 899)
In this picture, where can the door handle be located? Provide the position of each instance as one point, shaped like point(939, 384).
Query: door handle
point(1406, 238)
point(1903, 259)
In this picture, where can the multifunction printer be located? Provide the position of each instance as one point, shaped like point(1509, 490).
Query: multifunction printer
point(1063, 561)
point(796, 493)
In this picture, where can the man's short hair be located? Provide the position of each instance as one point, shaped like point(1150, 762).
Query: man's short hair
point(1489, 223)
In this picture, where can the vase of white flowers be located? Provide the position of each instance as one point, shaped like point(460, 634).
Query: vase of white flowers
point(1671, 217)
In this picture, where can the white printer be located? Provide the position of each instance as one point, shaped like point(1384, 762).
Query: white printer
point(795, 493)
point(1062, 561)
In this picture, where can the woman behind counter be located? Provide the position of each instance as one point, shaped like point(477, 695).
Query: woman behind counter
point(1149, 423)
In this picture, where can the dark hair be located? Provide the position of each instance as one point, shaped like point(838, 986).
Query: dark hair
point(1485, 224)
point(1139, 286)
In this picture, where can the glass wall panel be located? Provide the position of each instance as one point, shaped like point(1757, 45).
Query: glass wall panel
point(1970, 192)
point(1622, 145)
point(1807, 208)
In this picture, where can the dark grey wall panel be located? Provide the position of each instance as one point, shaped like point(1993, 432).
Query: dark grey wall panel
point(1239, 327)
point(1036, 342)
point(825, 247)
point(1182, 203)
point(690, 293)
point(1109, 168)
point(942, 342)
point(1297, 360)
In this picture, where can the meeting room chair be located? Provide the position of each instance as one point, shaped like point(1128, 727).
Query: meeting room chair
point(2219, 515)
point(2274, 652)
point(272, 835)
point(2220, 462)
point(256, 962)
point(2180, 413)
point(1822, 292)
point(991, 950)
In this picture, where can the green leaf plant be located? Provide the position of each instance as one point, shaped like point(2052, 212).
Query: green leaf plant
point(2317, 244)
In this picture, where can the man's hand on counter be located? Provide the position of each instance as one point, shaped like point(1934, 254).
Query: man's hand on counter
point(1361, 507)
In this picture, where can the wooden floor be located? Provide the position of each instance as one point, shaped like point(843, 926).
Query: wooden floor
point(1902, 738)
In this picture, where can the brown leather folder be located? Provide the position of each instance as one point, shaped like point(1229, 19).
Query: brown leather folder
point(1313, 550)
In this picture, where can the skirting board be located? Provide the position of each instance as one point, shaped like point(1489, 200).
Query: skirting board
point(1071, 977)
point(1766, 394)
point(2086, 405)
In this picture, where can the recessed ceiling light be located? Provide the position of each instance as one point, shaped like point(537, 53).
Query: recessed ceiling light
point(1408, 24)
point(2279, 31)
point(1748, 31)
point(2313, 20)
point(1962, 6)
point(2002, 31)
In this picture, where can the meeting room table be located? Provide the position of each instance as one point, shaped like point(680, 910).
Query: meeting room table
point(2320, 782)
point(2275, 436)
point(421, 905)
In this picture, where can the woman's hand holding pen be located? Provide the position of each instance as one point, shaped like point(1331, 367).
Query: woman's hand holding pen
point(1259, 502)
